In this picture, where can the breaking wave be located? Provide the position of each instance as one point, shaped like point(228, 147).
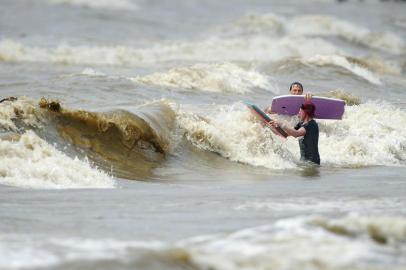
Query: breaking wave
point(128, 144)
point(132, 143)
point(311, 242)
point(233, 133)
point(30, 161)
point(299, 242)
point(365, 137)
point(320, 25)
point(370, 69)
point(326, 25)
point(209, 50)
point(341, 61)
point(224, 77)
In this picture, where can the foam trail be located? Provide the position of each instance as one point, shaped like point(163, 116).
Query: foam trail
point(31, 162)
point(221, 77)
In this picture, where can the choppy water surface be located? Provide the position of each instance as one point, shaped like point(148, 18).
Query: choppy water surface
point(128, 145)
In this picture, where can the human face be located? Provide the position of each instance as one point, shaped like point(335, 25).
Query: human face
point(301, 114)
point(296, 90)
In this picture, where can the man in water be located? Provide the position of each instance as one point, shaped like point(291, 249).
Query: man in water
point(308, 130)
point(296, 88)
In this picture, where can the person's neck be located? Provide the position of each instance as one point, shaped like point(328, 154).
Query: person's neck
point(307, 119)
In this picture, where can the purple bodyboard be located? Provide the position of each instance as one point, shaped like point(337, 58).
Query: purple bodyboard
point(326, 108)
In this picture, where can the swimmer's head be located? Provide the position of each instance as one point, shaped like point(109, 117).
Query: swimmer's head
point(296, 88)
point(308, 108)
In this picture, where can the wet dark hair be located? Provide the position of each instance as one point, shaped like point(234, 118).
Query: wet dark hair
point(309, 108)
point(296, 83)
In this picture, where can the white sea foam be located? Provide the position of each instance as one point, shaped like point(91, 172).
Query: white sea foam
point(306, 243)
point(341, 61)
point(99, 4)
point(23, 109)
point(369, 134)
point(31, 162)
point(296, 38)
point(373, 133)
point(373, 242)
point(233, 133)
point(210, 50)
point(221, 77)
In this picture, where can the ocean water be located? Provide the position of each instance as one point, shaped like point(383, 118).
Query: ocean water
point(127, 145)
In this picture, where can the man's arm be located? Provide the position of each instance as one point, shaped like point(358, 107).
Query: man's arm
point(295, 133)
point(290, 131)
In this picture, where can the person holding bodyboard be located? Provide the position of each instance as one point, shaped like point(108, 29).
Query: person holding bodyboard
point(308, 130)
point(296, 89)
point(305, 107)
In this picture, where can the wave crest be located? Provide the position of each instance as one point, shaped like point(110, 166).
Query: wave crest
point(133, 143)
point(224, 77)
point(326, 25)
point(341, 61)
